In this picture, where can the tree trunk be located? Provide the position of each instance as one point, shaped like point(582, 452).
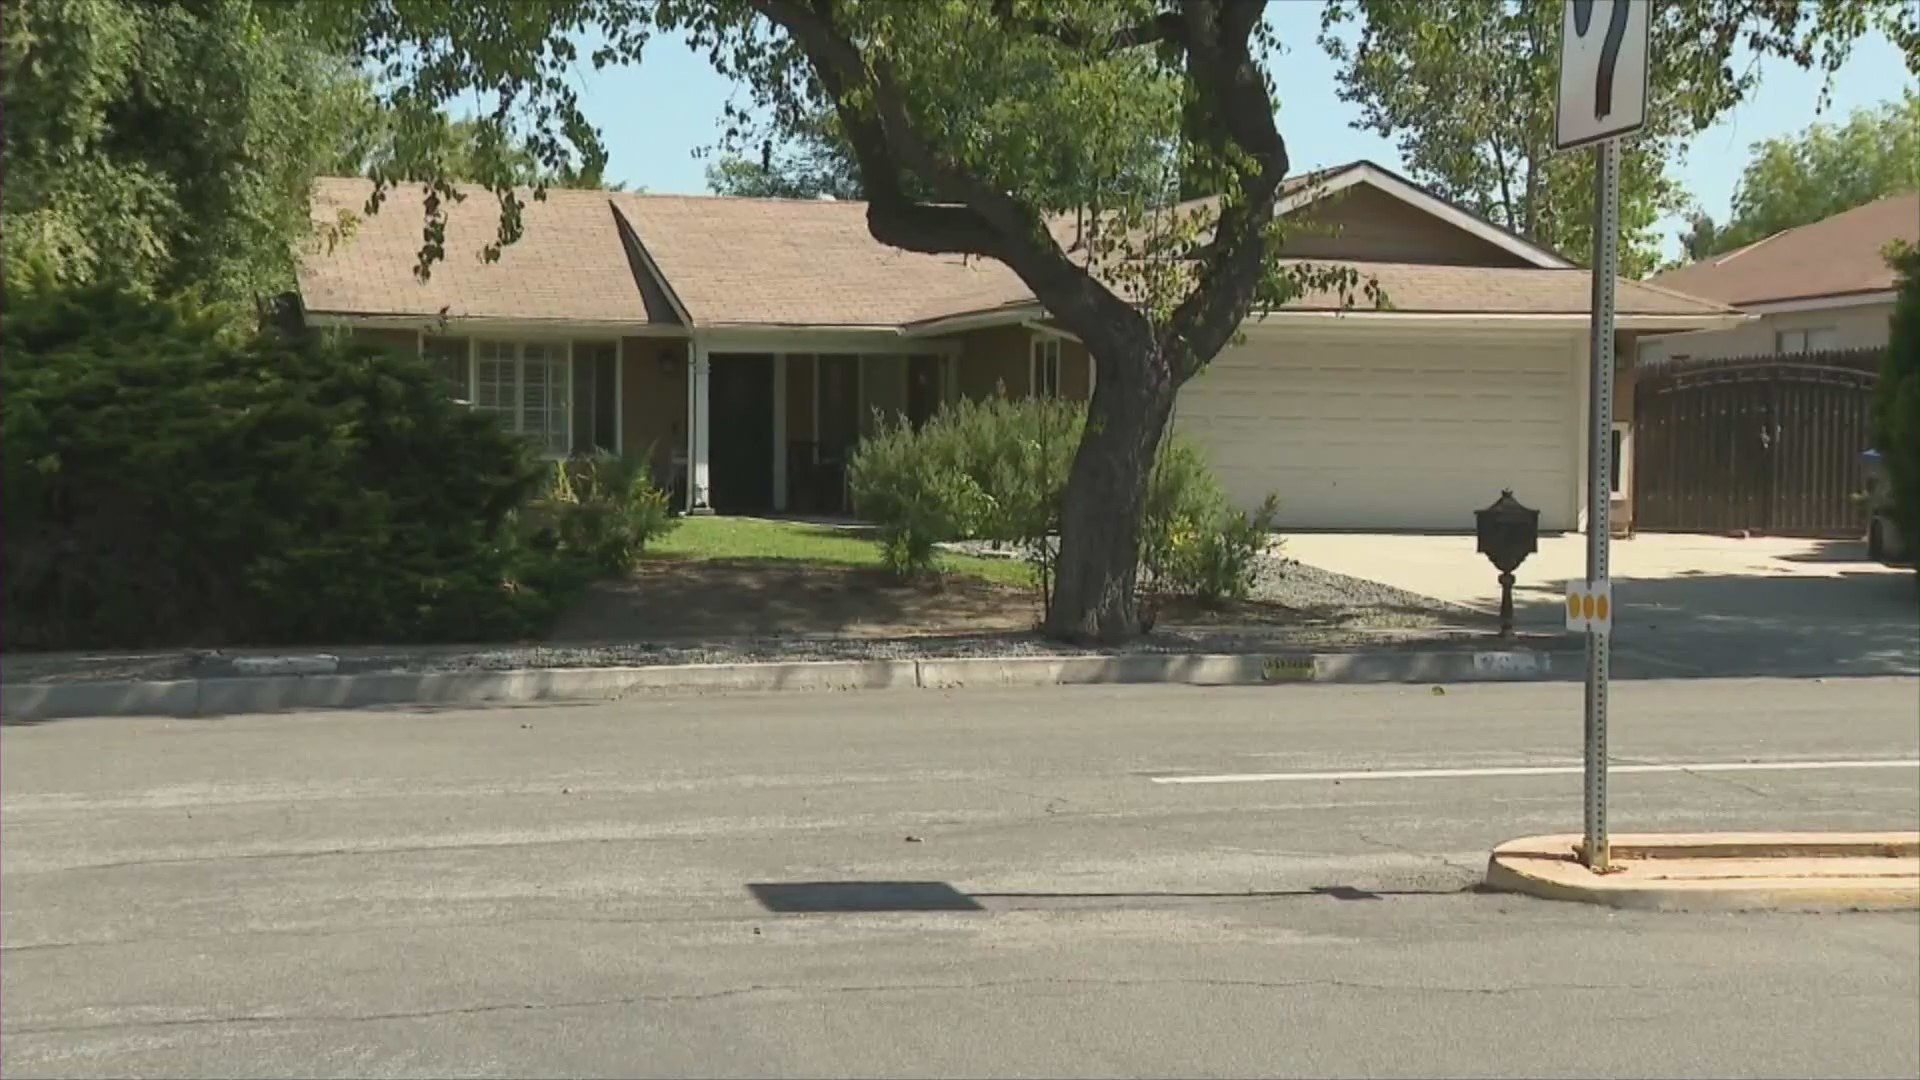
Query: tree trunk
point(1094, 585)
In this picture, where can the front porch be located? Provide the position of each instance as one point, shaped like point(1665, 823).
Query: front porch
point(773, 430)
point(732, 422)
point(781, 427)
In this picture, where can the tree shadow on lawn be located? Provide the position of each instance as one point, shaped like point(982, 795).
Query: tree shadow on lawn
point(667, 598)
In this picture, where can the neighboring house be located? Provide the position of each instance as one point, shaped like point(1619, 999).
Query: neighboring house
point(1822, 287)
point(749, 343)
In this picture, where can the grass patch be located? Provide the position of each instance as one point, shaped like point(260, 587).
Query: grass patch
point(757, 538)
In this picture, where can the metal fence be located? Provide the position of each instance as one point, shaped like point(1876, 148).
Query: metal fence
point(1766, 444)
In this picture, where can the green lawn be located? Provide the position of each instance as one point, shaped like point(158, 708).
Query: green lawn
point(757, 538)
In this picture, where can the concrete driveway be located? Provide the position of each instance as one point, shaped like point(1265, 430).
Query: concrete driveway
point(1688, 604)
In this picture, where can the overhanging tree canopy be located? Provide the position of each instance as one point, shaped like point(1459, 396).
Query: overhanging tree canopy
point(1004, 115)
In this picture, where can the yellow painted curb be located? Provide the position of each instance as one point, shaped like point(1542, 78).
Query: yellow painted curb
point(1720, 871)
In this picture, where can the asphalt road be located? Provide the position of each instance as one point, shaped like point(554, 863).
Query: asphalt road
point(912, 884)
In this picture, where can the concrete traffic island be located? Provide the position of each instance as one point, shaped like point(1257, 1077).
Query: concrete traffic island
point(1720, 871)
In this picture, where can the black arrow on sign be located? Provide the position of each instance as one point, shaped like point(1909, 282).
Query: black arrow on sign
point(1609, 50)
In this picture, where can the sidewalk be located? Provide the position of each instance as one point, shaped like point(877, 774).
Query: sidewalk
point(1721, 871)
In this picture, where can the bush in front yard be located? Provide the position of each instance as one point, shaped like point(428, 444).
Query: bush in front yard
point(997, 470)
point(992, 470)
point(172, 477)
point(912, 486)
point(603, 509)
point(1192, 542)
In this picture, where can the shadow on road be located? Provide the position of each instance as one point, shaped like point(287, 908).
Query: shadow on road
point(867, 897)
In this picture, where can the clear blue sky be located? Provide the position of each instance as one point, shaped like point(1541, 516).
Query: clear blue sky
point(656, 115)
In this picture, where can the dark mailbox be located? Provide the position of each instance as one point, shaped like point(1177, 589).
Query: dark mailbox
point(1507, 533)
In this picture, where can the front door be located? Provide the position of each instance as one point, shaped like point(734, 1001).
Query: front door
point(740, 443)
point(839, 400)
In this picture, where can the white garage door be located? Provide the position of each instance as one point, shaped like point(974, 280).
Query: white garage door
point(1362, 430)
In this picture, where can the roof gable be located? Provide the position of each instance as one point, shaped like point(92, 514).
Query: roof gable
point(798, 262)
point(1312, 189)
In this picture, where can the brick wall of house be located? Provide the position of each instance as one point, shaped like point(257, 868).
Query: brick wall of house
point(653, 392)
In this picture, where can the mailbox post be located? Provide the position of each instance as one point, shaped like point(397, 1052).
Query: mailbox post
point(1507, 532)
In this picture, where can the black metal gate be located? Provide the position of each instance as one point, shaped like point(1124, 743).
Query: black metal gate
point(1764, 444)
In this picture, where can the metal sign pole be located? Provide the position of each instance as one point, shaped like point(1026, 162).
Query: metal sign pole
point(1606, 259)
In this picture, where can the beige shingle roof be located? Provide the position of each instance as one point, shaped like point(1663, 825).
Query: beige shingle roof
point(773, 262)
point(570, 265)
point(1832, 257)
point(790, 262)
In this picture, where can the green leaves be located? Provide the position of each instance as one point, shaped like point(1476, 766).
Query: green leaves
point(1826, 169)
point(1467, 89)
point(170, 145)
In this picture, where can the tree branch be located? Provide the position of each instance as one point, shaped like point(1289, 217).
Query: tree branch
point(975, 219)
point(1163, 26)
point(1221, 68)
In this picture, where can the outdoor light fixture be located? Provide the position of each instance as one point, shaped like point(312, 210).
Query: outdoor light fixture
point(1508, 532)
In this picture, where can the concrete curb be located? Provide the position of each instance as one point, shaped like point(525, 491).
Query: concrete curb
point(1721, 871)
point(30, 702)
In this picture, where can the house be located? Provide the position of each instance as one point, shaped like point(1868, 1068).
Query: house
point(750, 342)
point(1823, 287)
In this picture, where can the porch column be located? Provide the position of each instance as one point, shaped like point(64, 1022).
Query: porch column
point(699, 394)
point(779, 431)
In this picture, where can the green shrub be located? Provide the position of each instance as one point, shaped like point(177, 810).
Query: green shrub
point(1220, 562)
point(603, 509)
point(990, 470)
point(1192, 542)
point(1897, 398)
point(997, 470)
point(170, 478)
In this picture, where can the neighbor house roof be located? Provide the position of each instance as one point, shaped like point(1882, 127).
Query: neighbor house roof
point(1837, 257)
point(621, 257)
point(1498, 290)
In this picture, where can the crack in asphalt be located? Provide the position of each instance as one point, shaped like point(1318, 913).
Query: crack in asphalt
point(1425, 856)
point(1068, 985)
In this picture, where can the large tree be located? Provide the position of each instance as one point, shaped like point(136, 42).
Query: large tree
point(170, 145)
point(1798, 180)
point(1467, 89)
point(1004, 113)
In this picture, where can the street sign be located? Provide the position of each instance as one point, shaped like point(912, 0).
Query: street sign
point(1590, 606)
point(1604, 55)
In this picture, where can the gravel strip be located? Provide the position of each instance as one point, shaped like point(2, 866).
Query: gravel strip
point(1353, 601)
point(1337, 613)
